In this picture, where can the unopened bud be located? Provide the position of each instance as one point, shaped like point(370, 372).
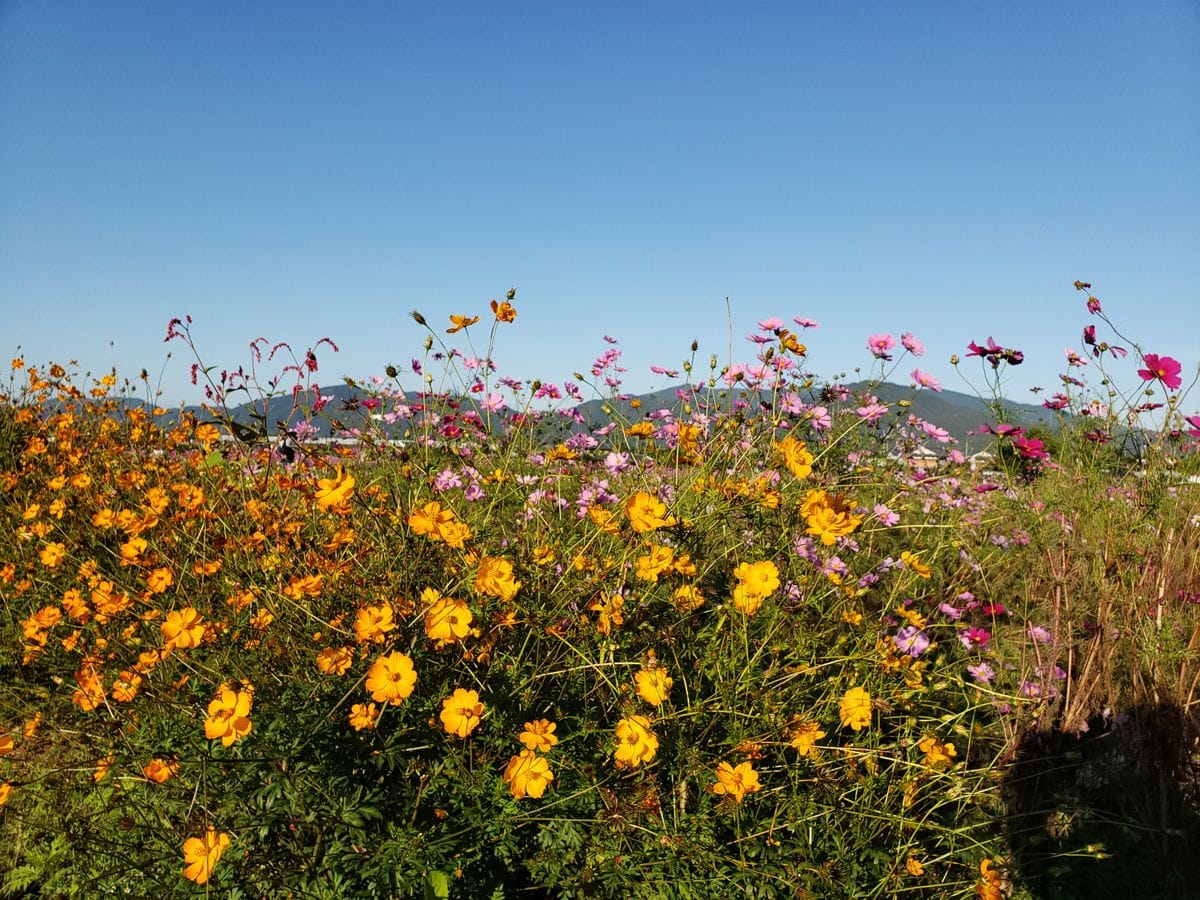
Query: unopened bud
point(392, 371)
point(417, 317)
point(695, 346)
point(428, 342)
point(511, 295)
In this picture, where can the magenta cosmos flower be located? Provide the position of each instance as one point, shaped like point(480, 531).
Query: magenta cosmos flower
point(1162, 368)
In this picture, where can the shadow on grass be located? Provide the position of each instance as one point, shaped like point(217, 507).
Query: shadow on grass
point(1114, 812)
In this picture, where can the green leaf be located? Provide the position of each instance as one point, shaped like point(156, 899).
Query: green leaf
point(437, 885)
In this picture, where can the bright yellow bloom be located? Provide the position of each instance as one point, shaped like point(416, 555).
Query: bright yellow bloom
point(755, 582)
point(183, 628)
point(504, 312)
point(646, 512)
point(391, 678)
point(301, 586)
point(133, 548)
point(125, 686)
point(527, 775)
point(363, 716)
point(829, 517)
point(335, 660)
point(539, 735)
point(6, 744)
point(608, 606)
point(804, 735)
point(796, 456)
point(372, 623)
point(653, 684)
point(160, 770)
point(856, 709)
point(200, 855)
point(335, 493)
point(458, 323)
point(159, 580)
point(736, 781)
point(461, 712)
point(914, 867)
point(495, 578)
point(636, 743)
point(430, 519)
point(228, 715)
point(938, 755)
point(6, 790)
point(207, 434)
point(52, 554)
point(687, 598)
point(446, 620)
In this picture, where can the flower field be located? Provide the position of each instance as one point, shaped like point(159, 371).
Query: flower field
point(759, 642)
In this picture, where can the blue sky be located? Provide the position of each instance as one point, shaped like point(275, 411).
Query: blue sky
point(299, 170)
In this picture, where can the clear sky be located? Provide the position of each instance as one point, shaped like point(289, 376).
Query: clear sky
point(299, 170)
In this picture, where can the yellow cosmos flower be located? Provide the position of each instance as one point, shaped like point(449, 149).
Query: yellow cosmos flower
point(646, 512)
point(736, 781)
point(207, 434)
point(527, 775)
point(636, 743)
point(829, 517)
point(938, 755)
point(6, 790)
point(495, 578)
point(160, 770)
point(795, 456)
point(856, 709)
point(447, 620)
point(461, 712)
point(335, 660)
point(914, 867)
point(102, 766)
point(183, 628)
point(6, 744)
point(200, 855)
point(391, 678)
point(363, 716)
point(687, 598)
point(539, 735)
point(458, 323)
point(228, 715)
point(653, 684)
point(372, 623)
point(804, 735)
point(335, 493)
point(133, 548)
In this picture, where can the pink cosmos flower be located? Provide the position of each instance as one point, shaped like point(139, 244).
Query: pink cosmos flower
point(1194, 421)
point(880, 344)
point(924, 379)
point(1162, 368)
point(772, 324)
point(806, 323)
point(911, 344)
point(1093, 304)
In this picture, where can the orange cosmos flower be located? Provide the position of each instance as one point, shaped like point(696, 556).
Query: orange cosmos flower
point(458, 323)
point(503, 312)
point(228, 715)
point(335, 660)
point(796, 456)
point(6, 790)
point(636, 743)
point(461, 712)
point(736, 781)
point(539, 735)
point(363, 716)
point(755, 582)
point(527, 775)
point(334, 493)
point(183, 628)
point(52, 554)
point(391, 678)
point(6, 744)
point(653, 684)
point(804, 735)
point(373, 622)
point(856, 709)
point(159, 580)
point(161, 770)
point(430, 519)
point(495, 578)
point(646, 512)
point(200, 855)
point(938, 755)
point(447, 620)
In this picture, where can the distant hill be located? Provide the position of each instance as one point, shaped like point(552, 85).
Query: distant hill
point(960, 414)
